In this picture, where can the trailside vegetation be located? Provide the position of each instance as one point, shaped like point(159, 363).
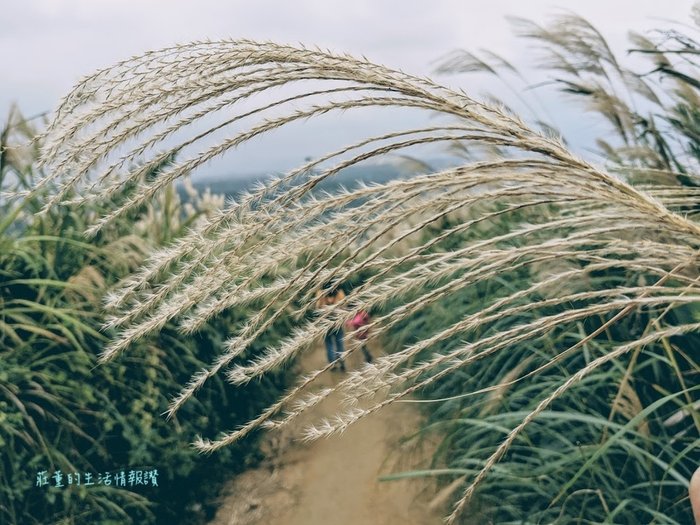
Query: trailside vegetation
point(549, 305)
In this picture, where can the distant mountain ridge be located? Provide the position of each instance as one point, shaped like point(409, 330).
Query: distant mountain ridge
point(233, 185)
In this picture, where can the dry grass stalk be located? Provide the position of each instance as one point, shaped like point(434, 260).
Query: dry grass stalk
point(278, 244)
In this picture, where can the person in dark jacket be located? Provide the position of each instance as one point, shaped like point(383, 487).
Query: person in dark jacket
point(334, 338)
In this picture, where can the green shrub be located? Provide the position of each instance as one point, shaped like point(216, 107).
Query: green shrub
point(60, 410)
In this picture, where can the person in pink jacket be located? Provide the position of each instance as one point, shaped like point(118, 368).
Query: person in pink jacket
point(359, 326)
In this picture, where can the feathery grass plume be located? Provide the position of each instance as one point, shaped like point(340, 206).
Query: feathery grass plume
point(276, 246)
point(56, 407)
point(650, 106)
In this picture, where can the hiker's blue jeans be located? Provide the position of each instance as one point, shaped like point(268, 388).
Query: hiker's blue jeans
point(334, 344)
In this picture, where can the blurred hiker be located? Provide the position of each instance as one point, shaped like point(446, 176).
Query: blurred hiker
point(358, 325)
point(334, 338)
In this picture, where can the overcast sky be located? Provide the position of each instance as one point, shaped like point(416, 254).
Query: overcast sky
point(47, 45)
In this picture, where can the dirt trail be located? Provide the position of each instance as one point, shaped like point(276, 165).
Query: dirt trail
point(335, 481)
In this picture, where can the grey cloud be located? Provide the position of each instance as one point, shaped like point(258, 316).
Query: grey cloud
point(47, 45)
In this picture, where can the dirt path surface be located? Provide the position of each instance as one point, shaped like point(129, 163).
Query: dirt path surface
point(335, 481)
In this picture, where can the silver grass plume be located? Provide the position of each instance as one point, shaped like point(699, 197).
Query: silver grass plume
point(123, 122)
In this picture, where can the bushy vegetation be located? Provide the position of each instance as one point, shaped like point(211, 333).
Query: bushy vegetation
point(545, 307)
point(58, 409)
point(621, 445)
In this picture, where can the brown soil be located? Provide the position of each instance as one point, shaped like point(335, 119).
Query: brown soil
point(335, 481)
